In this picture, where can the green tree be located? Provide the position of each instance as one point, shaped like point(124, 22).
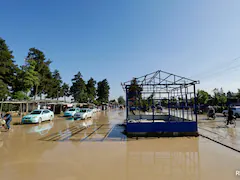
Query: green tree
point(113, 101)
point(219, 97)
point(202, 97)
point(164, 102)
point(121, 100)
point(222, 98)
point(103, 91)
point(78, 89)
point(42, 67)
point(230, 94)
point(54, 91)
point(46, 78)
point(65, 91)
point(3, 90)
point(30, 77)
point(7, 68)
point(145, 104)
point(134, 93)
point(238, 94)
point(20, 95)
point(91, 89)
point(96, 102)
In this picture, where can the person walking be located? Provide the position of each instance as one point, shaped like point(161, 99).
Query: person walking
point(8, 119)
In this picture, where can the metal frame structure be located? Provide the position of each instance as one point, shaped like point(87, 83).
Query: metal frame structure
point(180, 93)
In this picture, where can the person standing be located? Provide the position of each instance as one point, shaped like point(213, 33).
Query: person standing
point(8, 119)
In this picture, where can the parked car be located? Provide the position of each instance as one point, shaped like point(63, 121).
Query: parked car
point(38, 116)
point(235, 109)
point(90, 113)
point(92, 110)
point(83, 114)
point(95, 110)
point(71, 112)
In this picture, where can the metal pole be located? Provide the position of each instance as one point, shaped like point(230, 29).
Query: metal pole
point(126, 104)
point(153, 108)
point(174, 109)
point(168, 108)
point(177, 104)
point(182, 104)
point(139, 106)
point(171, 103)
point(186, 94)
point(192, 105)
point(195, 102)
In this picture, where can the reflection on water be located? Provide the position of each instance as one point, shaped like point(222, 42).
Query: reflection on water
point(70, 118)
point(87, 123)
point(166, 159)
point(41, 128)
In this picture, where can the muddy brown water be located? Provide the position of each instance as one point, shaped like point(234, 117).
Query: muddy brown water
point(96, 149)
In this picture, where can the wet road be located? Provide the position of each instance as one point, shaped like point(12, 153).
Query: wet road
point(218, 131)
point(96, 149)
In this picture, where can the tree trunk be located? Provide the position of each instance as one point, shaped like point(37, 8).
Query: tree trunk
point(64, 98)
point(27, 108)
point(36, 93)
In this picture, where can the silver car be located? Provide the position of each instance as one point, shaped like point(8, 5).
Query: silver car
point(83, 114)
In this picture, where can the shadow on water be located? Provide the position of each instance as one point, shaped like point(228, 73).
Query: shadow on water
point(17, 123)
point(20, 123)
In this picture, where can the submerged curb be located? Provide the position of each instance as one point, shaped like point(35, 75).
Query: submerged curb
point(220, 143)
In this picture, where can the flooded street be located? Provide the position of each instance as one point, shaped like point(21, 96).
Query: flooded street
point(96, 149)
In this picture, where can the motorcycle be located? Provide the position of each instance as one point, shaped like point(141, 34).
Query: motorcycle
point(211, 115)
point(232, 121)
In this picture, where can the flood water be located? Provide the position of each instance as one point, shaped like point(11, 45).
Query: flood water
point(96, 149)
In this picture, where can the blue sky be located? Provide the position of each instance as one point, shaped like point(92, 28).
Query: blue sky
point(122, 39)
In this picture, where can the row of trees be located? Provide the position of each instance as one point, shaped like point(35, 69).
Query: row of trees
point(35, 79)
point(219, 97)
point(87, 92)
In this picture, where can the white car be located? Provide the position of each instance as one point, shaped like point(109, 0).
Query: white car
point(38, 116)
point(71, 112)
point(94, 110)
point(83, 114)
point(90, 113)
point(235, 109)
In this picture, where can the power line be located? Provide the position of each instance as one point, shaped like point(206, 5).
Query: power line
point(228, 73)
point(223, 65)
point(223, 71)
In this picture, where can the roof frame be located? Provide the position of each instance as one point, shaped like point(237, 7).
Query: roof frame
point(161, 78)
